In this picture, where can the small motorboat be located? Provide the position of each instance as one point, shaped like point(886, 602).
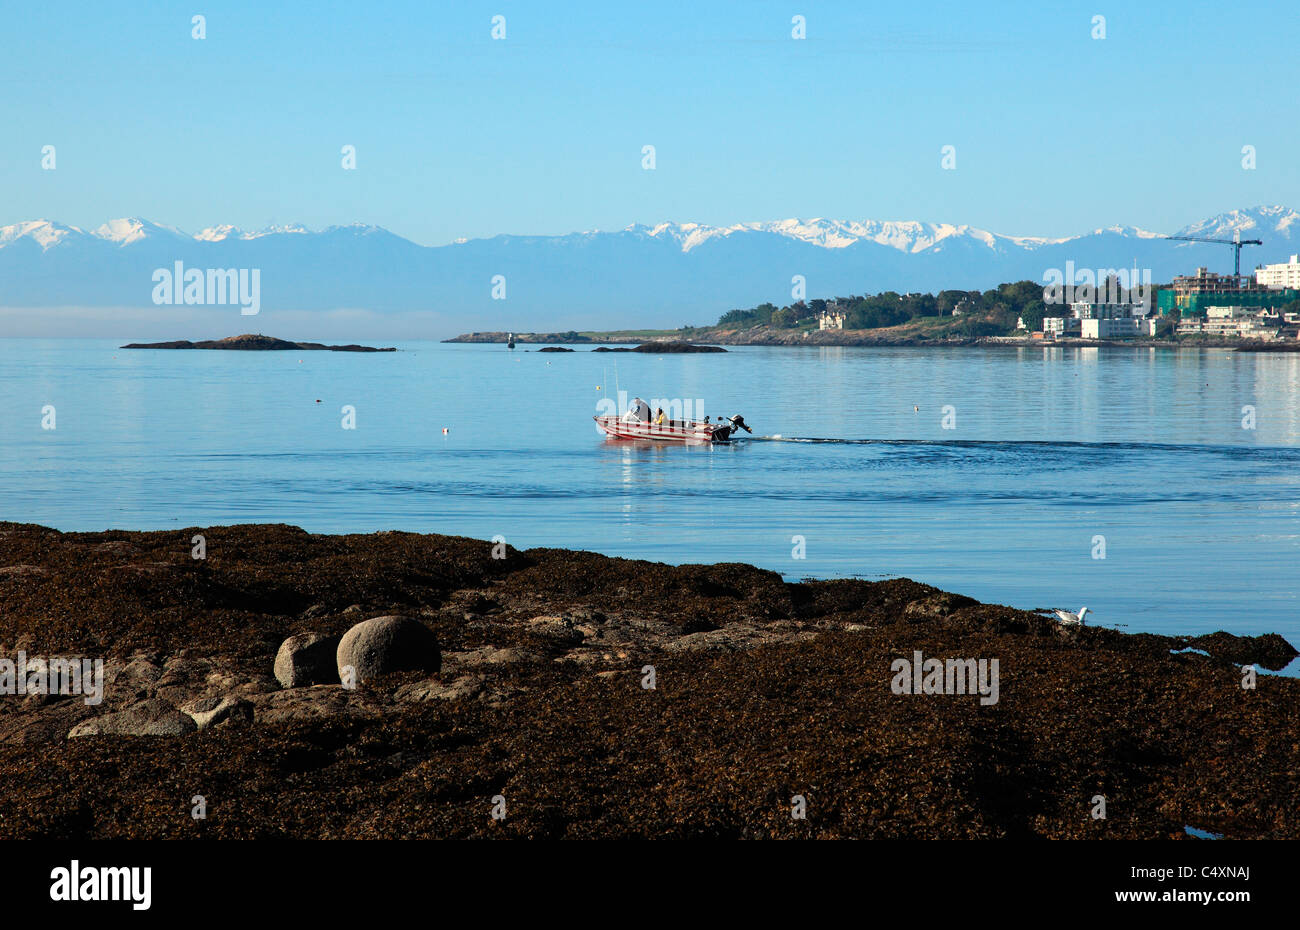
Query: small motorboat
point(636, 424)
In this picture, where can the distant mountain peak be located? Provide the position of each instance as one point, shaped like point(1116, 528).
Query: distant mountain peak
point(219, 233)
point(44, 233)
point(280, 229)
point(132, 229)
point(1273, 219)
point(1121, 230)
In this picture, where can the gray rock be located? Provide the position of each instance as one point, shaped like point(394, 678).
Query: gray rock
point(136, 677)
point(388, 644)
point(188, 681)
point(151, 717)
point(491, 655)
point(307, 659)
point(735, 638)
point(180, 674)
point(936, 605)
point(583, 657)
point(467, 686)
point(211, 711)
point(553, 632)
point(314, 703)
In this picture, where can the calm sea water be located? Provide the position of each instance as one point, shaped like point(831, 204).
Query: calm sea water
point(1050, 449)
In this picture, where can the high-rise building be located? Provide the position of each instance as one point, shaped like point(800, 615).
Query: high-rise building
point(1192, 294)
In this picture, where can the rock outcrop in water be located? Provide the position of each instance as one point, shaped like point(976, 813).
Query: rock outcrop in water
point(251, 342)
point(662, 348)
point(601, 697)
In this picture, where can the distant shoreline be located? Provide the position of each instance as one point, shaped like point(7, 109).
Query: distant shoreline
point(763, 336)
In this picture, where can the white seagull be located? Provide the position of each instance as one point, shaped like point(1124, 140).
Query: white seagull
point(1070, 619)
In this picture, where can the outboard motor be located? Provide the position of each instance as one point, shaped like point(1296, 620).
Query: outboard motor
point(737, 423)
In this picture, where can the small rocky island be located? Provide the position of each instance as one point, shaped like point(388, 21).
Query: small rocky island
point(253, 342)
point(662, 348)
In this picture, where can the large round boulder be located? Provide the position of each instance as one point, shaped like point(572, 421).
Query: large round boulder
point(388, 644)
point(307, 659)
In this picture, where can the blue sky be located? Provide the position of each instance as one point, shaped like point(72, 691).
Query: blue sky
point(458, 135)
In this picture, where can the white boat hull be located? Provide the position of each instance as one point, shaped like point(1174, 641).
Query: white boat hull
point(669, 431)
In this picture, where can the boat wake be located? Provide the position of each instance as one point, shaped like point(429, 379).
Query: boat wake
point(1282, 455)
point(1284, 451)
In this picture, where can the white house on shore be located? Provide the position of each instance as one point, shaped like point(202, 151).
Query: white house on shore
point(830, 319)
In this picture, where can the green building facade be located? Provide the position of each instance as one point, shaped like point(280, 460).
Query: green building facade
point(1194, 304)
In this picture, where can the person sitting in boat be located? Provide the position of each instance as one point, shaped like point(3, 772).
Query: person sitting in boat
point(660, 419)
point(639, 412)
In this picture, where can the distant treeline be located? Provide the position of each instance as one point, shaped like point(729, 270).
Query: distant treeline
point(989, 312)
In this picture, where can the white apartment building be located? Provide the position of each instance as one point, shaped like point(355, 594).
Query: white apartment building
point(1061, 325)
point(1081, 310)
point(1116, 328)
point(1101, 321)
point(1277, 277)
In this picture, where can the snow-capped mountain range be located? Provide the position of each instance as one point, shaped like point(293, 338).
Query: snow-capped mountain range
point(662, 275)
point(839, 234)
point(133, 229)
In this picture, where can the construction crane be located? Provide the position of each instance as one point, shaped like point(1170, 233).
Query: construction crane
point(1236, 242)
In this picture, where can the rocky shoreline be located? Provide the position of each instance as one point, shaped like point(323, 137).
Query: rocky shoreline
point(484, 677)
